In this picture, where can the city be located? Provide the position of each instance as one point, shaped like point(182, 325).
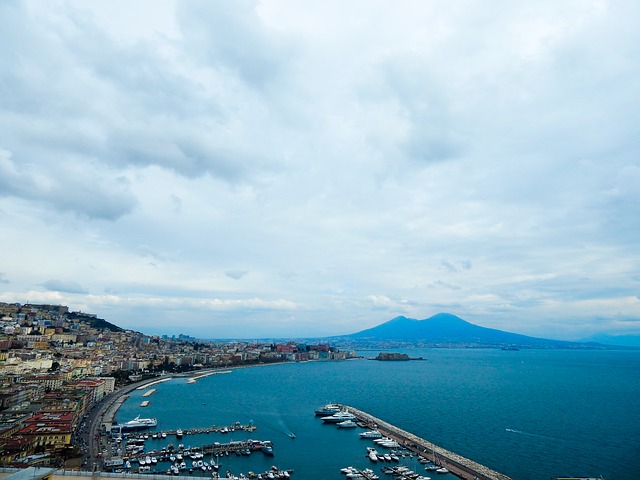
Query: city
point(56, 366)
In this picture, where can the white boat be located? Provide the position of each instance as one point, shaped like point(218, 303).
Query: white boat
point(387, 443)
point(371, 434)
point(347, 424)
point(138, 423)
point(373, 454)
point(370, 474)
point(442, 470)
point(328, 409)
point(179, 433)
point(339, 417)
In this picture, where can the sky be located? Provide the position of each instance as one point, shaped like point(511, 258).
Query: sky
point(279, 168)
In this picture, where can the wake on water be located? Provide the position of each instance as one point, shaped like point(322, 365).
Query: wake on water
point(528, 434)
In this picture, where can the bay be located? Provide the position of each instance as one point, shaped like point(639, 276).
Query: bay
point(530, 414)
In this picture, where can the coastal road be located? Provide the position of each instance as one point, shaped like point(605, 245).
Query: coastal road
point(91, 439)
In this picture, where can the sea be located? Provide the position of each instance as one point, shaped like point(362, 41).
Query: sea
point(529, 414)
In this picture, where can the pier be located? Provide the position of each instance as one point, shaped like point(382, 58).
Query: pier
point(458, 465)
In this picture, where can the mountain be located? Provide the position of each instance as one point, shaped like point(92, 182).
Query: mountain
point(448, 329)
point(619, 340)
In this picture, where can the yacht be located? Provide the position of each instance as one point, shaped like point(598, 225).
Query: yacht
point(372, 454)
point(328, 409)
point(338, 417)
point(371, 434)
point(139, 423)
point(347, 424)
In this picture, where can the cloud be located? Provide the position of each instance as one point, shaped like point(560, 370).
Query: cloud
point(236, 274)
point(79, 188)
point(489, 158)
point(64, 286)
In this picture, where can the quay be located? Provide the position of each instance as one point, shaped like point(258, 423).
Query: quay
point(458, 465)
point(155, 382)
point(207, 374)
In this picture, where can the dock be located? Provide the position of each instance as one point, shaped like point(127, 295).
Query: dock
point(458, 465)
point(155, 382)
point(208, 374)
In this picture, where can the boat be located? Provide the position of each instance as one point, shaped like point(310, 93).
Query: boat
point(179, 433)
point(442, 470)
point(267, 450)
point(292, 435)
point(328, 409)
point(347, 424)
point(386, 442)
point(145, 403)
point(139, 423)
point(338, 417)
point(372, 453)
point(371, 434)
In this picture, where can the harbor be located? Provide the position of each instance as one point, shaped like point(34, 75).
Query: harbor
point(320, 450)
point(458, 465)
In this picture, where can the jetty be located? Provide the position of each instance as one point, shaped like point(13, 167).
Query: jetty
point(207, 374)
point(155, 382)
point(456, 464)
point(148, 393)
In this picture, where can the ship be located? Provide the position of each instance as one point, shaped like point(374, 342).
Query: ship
point(139, 423)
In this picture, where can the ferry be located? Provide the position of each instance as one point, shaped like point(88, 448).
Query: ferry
point(138, 423)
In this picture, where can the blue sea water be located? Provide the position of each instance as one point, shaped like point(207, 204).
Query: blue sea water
point(530, 414)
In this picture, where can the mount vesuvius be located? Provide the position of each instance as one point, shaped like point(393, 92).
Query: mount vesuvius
point(447, 329)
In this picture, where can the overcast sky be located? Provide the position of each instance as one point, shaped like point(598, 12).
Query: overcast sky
point(284, 168)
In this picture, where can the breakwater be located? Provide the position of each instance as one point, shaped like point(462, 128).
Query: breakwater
point(458, 465)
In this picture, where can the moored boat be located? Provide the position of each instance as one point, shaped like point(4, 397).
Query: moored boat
point(328, 409)
point(347, 424)
point(338, 417)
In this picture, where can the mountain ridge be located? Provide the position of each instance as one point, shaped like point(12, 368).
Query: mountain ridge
point(446, 329)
